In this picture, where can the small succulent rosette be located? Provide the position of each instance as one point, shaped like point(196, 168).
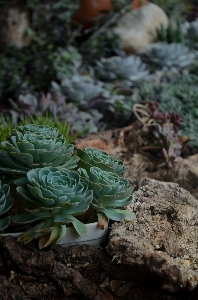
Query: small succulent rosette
point(34, 146)
point(92, 157)
point(110, 193)
point(40, 129)
point(59, 195)
point(6, 203)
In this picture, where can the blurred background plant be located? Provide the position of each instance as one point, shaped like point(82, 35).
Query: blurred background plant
point(80, 76)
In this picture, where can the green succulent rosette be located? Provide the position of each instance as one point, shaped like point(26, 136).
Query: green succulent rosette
point(111, 192)
point(6, 203)
point(40, 129)
point(93, 157)
point(60, 196)
point(23, 151)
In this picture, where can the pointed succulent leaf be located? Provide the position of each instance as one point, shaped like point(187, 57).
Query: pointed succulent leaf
point(6, 203)
point(4, 223)
point(93, 157)
point(54, 236)
point(31, 233)
point(29, 218)
point(118, 214)
point(80, 228)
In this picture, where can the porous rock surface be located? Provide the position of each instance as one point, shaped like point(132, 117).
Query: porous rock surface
point(137, 28)
point(162, 243)
point(185, 173)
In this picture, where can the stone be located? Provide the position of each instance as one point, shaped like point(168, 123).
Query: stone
point(14, 23)
point(185, 173)
point(161, 245)
point(137, 28)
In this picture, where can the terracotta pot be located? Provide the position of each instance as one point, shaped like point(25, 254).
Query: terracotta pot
point(90, 9)
point(138, 3)
point(94, 236)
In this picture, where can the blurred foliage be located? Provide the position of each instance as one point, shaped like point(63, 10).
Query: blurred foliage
point(175, 8)
point(119, 4)
point(46, 120)
point(26, 68)
point(181, 98)
point(171, 34)
point(5, 128)
point(52, 21)
point(101, 46)
point(32, 69)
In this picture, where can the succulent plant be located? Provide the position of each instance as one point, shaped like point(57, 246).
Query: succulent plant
point(6, 203)
point(172, 34)
point(110, 193)
point(191, 34)
point(93, 157)
point(92, 96)
point(40, 129)
point(163, 55)
point(181, 98)
point(129, 68)
point(34, 146)
point(66, 62)
point(80, 89)
point(60, 195)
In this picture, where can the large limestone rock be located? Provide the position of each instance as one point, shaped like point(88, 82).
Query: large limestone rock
point(137, 28)
point(161, 245)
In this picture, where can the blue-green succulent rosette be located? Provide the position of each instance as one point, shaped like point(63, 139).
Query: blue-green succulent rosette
point(59, 195)
point(6, 203)
point(111, 192)
point(23, 151)
point(40, 129)
point(93, 157)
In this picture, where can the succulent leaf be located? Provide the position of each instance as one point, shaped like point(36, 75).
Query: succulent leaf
point(93, 157)
point(6, 203)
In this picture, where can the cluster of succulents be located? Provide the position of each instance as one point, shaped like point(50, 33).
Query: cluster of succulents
point(88, 82)
point(172, 34)
point(163, 55)
point(53, 188)
point(102, 101)
point(162, 129)
point(116, 68)
point(181, 98)
point(190, 30)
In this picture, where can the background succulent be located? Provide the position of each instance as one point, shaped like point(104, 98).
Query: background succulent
point(129, 69)
point(6, 203)
point(80, 89)
point(93, 95)
point(59, 196)
point(181, 98)
point(172, 34)
point(110, 193)
point(24, 150)
point(93, 157)
point(190, 30)
point(163, 55)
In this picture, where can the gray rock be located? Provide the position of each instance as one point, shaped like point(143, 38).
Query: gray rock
point(137, 28)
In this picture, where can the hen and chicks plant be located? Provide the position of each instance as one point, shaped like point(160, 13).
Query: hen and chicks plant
point(53, 188)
